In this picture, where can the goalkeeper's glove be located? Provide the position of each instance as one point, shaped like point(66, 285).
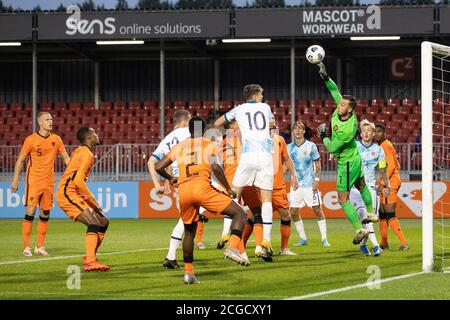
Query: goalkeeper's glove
point(202, 218)
point(322, 130)
point(323, 71)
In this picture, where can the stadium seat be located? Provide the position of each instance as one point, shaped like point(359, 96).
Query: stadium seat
point(45, 106)
point(389, 109)
point(330, 104)
point(393, 102)
point(378, 102)
point(409, 125)
point(362, 102)
point(179, 104)
point(414, 117)
point(134, 105)
point(300, 103)
point(285, 103)
point(117, 120)
point(15, 106)
point(373, 110)
point(120, 105)
point(3, 106)
point(409, 102)
point(398, 117)
point(310, 110)
point(89, 105)
point(126, 113)
point(208, 104)
point(150, 104)
point(327, 111)
point(106, 105)
point(271, 103)
point(383, 118)
point(416, 109)
point(316, 103)
point(155, 112)
point(60, 106)
point(75, 106)
point(406, 110)
point(141, 113)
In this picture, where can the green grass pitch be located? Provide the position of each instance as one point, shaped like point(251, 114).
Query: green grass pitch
point(135, 249)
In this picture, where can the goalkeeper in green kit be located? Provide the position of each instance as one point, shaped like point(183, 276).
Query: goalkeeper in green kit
point(344, 126)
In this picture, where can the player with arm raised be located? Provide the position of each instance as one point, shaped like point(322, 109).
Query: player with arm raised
point(372, 156)
point(255, 166)
point(41, 149)
point(344, 126)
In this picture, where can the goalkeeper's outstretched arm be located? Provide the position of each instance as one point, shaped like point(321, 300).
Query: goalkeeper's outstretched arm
point(331, 86)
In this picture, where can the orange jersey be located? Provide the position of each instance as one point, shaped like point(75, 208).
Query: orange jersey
point(193, 157)
point(77, 172)
point(392, 164)
point(42, 152)
point(280, 153)
point(231, 150)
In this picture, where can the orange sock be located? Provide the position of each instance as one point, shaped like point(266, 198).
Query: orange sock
point(42, 227)
point(100, 237)
point(247, 232)
point(188, 267)
point(199, 233)
point(234, 241)
point(384, 231)
point(91, 240)
point(258, 230)
point(27, 226)
point(285, 230)
point(241, 246)
point(395, 226)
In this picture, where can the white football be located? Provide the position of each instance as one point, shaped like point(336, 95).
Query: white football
point(315, 54)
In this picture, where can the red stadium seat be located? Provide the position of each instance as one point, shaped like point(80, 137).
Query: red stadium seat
point(117, 120)
point(414, 117)
point(133, 120)
point(126, 113)
point(330, 103)
point(316, 103)
point(75, 106)
point(378, 102)
point(416, 109)
point(362, 102)
point(383, 118)
point(155, 112)
point(300, 103)
point(45, 106)
point(15, 106)
point(368, 116)
point(150, 104)
point(271, 103)
point(326, 111)
point(120, 105)
point(393, 102)
point(89, 105)
point(404, 110)
point(389, 109)
point(373, 110)
point(134, 105)
point(60, 106)
point(285, 103)
point(409, 102)
point(409, 125)
point(3, 106)
point(141, 113)
point(310, 110)
point(106, 105)
point(65, 113)
point(399, 118)
point(208, 104)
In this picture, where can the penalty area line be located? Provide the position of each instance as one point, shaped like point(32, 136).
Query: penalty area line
point(77, 256)
point(362, 285)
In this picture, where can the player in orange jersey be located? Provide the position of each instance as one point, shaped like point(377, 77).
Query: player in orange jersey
point(196, 157)
point(388, 204)
point(78, 202)
point(41, 149)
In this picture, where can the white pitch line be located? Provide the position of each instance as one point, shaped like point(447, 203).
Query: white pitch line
point(138, 295)
point(362, 285)
point(77, 256)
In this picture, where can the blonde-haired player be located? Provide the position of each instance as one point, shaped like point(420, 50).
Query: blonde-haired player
point(372, 156)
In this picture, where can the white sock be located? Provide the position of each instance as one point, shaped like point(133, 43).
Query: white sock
point(300, 229)
point(267, 217)
point(226, 225)
point(372, 237)
point(175, 240)
point(201, 210)
point(323, 228)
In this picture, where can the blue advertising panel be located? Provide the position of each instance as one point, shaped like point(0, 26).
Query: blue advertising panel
point(117, 199)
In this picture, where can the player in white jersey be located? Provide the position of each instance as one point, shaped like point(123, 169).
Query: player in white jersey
point(372, 156)
point(306, 159)
point(180, 133)
point(255, 166)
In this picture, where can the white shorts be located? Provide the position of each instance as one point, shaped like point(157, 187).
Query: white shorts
point(254, 169)
point(357, 200)
point(304, 197)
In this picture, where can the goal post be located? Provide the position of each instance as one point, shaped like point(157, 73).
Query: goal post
point(427, 155)
point(435, 90)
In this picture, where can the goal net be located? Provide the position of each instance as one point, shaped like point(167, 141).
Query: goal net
point(435, 62)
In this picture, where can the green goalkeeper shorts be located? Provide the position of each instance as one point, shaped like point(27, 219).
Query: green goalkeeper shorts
point(349, 173)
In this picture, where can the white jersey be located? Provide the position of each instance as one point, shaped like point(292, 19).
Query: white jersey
point(171, 140)
point(371, 156)
point(253, 119)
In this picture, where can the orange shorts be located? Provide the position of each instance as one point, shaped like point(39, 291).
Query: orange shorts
point(39, 196)
point(279, 199)
point(393, 196)
point(71, 203)
point(193, 195)
point(251, 197)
